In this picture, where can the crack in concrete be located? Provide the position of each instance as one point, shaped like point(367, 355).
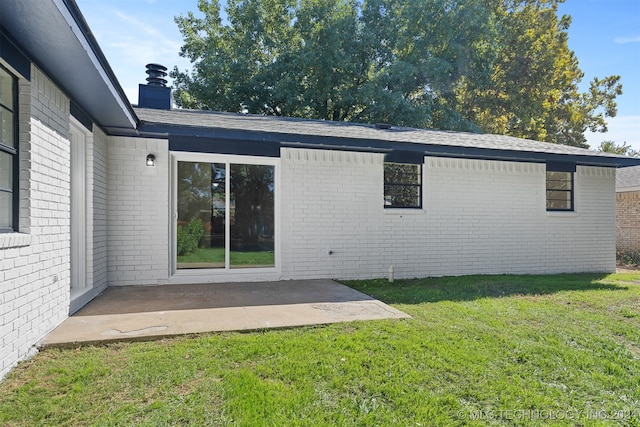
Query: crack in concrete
point(135, 332)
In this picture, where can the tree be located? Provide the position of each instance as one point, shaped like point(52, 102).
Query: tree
point(533, 92)
point(499, 66)
point(378, 61)
point(613, 148)
point(421, 52)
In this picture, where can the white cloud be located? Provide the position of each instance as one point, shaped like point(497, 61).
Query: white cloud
point(621, 129)
point(158, 36)
point(623, 40)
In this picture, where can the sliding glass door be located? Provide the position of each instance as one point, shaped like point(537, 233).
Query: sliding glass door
point(225, 215)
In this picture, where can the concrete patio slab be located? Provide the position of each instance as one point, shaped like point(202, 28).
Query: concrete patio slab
point(147, 312)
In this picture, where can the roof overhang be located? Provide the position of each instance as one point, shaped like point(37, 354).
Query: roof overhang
point(56, 38)
point(627, 189)
point(201, 139)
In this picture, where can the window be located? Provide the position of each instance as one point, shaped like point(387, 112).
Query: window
point(402, 185)
point(560, 187)
point(8, 152)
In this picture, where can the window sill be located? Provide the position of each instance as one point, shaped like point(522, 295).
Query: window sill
point(404, 211)
point(14, 240)
point(562, 213)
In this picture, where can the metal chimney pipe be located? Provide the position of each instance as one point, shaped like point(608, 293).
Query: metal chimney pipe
point(157, 74)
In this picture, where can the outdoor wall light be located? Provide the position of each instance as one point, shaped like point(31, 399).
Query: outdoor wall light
point(151, 160)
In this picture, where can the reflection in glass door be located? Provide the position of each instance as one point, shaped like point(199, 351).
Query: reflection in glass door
point(251, 216)
point(225, 215)
point(200, 232)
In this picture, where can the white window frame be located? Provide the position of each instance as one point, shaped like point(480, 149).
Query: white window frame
point(227, 273)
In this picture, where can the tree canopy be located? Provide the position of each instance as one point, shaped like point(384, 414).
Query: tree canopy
point(498, 66)
point(624, 149)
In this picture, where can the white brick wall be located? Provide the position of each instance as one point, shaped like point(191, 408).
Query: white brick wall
point(138, 212)
point(34, 273)
point(331, 203)
point(478, 217)
point(49, 105)
point(97, 209)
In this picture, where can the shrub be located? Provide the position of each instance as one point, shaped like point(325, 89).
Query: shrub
point(628, 257)
point(189, 236)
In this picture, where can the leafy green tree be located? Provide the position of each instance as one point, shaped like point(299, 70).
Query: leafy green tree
point(623, 149)
point(533, 92)
point(499, 66)
point(377, 61)
point(234, 65)
point(421, 51)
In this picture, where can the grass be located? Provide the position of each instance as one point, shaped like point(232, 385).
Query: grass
point(216, 256)
point(500, 350)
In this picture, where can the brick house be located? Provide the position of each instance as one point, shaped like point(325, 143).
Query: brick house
point(95, 192)
point(628, 209)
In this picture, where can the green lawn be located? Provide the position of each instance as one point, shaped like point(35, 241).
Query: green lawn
point(500, 350)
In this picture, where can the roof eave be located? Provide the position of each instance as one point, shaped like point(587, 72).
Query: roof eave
point(627, 189)
point(163, 130)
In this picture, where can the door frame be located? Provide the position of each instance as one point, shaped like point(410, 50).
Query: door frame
point(227, 273)
point(78, 211)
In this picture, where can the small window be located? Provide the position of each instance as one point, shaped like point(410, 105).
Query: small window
point(8, 152)
point(402, 185)
point(559, 191)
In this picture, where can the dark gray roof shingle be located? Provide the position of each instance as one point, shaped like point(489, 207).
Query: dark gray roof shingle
point(628, 178)
point(213, 121)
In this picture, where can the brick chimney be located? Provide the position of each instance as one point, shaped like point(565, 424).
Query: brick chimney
point(155, 94)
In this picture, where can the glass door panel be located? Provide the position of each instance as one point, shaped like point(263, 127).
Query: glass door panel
point(200, 231)
point(251, 216)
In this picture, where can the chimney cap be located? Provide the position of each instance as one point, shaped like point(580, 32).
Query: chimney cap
point(154, 66)
point(157, 74)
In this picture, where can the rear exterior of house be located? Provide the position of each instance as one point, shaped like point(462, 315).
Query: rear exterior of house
point(96, 193)
point(330, 215)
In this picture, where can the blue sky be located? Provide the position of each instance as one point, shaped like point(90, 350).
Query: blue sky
point(604, 34)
